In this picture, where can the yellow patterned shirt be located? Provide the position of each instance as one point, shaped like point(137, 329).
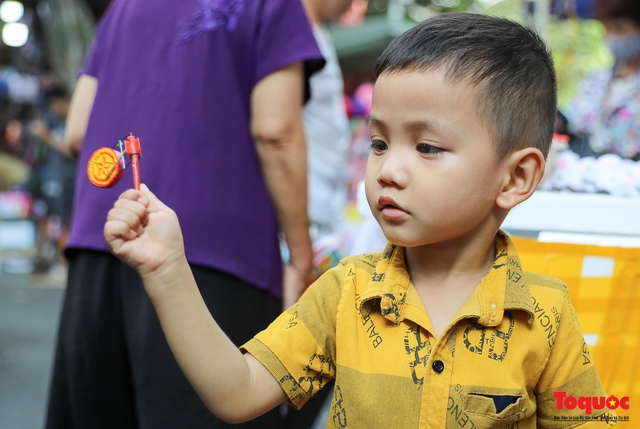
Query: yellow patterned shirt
point(505, 361)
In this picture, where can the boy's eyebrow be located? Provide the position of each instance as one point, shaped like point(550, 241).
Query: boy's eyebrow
point(420, 125)
point(371, 120)
point(416, 125)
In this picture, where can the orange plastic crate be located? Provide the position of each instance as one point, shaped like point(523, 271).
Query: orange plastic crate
point(604, 287)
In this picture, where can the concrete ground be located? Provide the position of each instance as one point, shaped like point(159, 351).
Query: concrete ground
point(29, 311)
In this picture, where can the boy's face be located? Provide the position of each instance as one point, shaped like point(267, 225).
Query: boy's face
point(432, 175)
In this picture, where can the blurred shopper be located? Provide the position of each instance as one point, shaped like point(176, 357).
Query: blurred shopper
point(327, 126)
point(57, 174)
point(214, 91)
point(13, 170)
point(605, 113)
point(328, 135)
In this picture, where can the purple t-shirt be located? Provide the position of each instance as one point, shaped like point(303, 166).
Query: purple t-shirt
point(179, 77)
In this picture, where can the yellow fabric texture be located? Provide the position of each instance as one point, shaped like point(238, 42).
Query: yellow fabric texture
point(604, 286)
point(510, 349)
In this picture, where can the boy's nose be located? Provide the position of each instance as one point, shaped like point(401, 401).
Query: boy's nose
point(392, 171)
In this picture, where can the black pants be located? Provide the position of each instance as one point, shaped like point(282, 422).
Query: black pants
point(113, 368)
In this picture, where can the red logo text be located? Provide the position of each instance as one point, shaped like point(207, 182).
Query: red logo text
point(589, 403)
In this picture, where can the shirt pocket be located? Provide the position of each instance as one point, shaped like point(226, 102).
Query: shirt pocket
point(495, 407)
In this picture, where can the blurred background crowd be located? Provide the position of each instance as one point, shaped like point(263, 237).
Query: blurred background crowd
point(45, 43)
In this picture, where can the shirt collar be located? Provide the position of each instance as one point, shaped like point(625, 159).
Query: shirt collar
point(503, 288)
point(387, 289)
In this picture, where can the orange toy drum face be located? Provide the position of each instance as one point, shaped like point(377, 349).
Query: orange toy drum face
point(105, 167)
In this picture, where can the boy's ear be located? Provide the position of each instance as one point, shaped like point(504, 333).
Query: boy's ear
point(523, 170)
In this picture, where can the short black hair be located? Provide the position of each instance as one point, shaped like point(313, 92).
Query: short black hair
point(509, 64)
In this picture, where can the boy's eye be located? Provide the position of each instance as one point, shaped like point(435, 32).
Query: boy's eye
point(378, 146)
point(428, 149)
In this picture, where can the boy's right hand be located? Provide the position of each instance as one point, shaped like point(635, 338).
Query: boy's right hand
point(144, 232)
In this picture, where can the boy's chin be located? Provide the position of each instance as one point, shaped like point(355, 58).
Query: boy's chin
point(401, 241)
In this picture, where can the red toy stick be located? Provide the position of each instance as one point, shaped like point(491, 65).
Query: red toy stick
point(132, 147)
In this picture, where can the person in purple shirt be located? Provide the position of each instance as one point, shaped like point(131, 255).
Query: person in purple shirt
point(213, 89)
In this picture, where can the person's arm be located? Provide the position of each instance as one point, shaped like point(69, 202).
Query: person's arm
point(41, 130)
point(79, 112)
point(277, 129)
point(146, 234)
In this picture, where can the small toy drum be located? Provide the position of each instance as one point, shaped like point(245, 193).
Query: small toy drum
point(105, 167)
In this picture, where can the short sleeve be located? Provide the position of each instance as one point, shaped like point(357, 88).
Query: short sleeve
point(570, 372)
point(285, 37)
point(298, 348)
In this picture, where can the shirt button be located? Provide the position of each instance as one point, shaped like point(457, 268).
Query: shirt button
point(438, 366)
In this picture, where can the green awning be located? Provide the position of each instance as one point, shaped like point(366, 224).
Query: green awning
point(359, 47)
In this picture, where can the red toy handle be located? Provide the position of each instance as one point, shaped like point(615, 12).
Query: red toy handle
point(136, 171)
point(133, 149)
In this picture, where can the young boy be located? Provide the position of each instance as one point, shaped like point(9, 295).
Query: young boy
point(442, 329)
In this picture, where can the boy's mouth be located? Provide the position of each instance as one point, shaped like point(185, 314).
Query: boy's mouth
point(390, 208)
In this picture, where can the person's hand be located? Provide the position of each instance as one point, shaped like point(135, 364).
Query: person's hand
point(144, 232)
point(39, 129)
point(294, 284)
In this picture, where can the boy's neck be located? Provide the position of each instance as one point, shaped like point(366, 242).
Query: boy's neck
point(446, 275)
point(463, 258)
